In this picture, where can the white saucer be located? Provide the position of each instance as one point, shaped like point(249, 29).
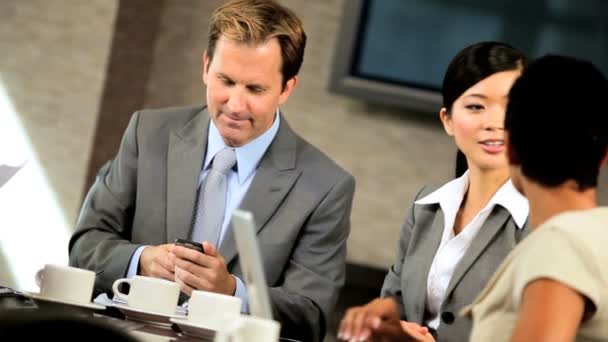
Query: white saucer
point(38, 297)
point(194, 329)
point(149, 317)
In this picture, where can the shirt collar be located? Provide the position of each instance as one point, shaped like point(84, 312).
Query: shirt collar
point(247, 156)
point(512, 200)
point(449, 197)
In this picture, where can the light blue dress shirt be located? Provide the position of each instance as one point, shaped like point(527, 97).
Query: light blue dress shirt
point(247, 159)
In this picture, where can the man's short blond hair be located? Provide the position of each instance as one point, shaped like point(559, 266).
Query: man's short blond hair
point(257, 21)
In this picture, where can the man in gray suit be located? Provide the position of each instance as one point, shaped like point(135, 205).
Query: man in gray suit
point(148, 195)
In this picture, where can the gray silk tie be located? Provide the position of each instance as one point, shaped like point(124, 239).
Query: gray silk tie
point(211, 203)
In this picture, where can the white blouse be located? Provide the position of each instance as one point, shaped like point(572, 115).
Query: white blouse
point(452, 247)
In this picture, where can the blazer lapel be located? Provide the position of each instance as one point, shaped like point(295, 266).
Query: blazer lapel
point(184, 161)
point(490, 228)
point(427, 244)
point(273, 179)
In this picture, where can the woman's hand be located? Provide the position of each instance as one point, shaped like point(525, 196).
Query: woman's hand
point(356, 324)
point(402, 331)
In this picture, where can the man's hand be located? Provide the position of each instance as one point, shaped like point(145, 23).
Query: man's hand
point(356, 324)
point(198, 271)
point(155, 262)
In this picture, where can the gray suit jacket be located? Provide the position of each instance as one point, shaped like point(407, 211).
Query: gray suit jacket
point(420, 237)
point(301, 201)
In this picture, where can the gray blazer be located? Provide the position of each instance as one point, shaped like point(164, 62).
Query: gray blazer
point(301, 201)
point(420, 237)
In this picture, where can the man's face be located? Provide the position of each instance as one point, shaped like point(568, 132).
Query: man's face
point(244, 88)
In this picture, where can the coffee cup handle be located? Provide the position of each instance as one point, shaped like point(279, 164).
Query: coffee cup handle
point(119, 294)
point(39, 277)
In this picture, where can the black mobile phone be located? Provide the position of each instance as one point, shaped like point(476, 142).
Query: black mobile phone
point(190, 244)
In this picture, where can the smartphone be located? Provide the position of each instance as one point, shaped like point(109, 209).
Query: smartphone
point(190, 244)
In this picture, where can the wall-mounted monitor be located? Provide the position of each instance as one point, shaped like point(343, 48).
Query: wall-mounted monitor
point(395, 52)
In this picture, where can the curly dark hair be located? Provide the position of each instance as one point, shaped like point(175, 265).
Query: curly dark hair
point(557, 121)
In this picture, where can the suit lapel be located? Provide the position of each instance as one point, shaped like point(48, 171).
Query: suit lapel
point(427, 243)
point(490, 228)
point(274, 177)
point(184, 161)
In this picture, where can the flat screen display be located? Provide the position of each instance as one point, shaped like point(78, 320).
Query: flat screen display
point(401, 48)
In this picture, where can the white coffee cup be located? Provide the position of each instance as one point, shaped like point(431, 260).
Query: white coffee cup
point(209, 309)
point(69, 284)
point(149, 294)
point(248, 329)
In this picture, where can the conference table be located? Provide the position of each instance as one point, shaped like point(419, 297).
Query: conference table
point(17, 304)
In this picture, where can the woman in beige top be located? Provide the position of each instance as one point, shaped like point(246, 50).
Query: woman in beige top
point(554, 285)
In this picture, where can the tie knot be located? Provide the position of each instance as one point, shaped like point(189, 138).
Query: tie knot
point(224, 160)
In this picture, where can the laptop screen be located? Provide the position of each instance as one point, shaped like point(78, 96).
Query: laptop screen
point(243, 226)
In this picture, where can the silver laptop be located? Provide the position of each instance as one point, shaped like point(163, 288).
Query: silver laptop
point(250, 259)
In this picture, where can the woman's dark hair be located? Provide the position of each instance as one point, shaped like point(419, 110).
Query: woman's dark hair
point(471, 65)
point(558, 122)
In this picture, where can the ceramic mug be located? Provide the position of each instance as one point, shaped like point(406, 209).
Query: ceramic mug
point(149, 294)
point(69, 284)
point(209, 309)
point(248, 329)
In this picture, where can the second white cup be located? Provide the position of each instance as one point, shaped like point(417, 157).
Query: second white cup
point(248, 329)
point(149, 294)
point(210, 309)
